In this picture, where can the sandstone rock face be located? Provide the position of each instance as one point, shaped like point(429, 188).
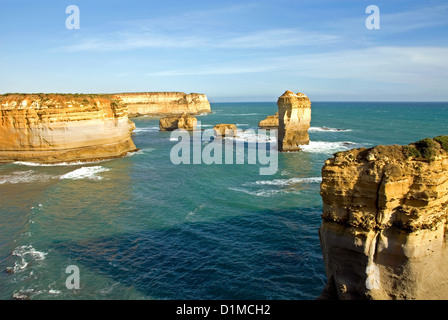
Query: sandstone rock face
point(185, 122)
point(271, 122)
point(164, 103)
point(225, 130)
point(63, 128)
point(294, 114)
point(384, 230)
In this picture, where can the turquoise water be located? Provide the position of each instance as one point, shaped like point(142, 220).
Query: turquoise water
point(141, 227)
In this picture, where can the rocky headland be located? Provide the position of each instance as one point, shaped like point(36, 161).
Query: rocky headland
point(384, 223)
point(164, 103)
point(294, 115)
point(51, 128)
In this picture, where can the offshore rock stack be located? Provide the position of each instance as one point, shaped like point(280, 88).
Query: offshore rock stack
point(294, 117)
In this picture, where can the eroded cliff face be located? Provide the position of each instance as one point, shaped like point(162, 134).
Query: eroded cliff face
point(294, 115)
point(51, 128)
point(384, 230)
point(164, 103)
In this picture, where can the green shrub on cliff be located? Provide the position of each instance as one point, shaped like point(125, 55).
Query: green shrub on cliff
point(411, 151)
point(443, 141)
point(427, 147)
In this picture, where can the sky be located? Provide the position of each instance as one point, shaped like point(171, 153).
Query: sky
point(229, 50)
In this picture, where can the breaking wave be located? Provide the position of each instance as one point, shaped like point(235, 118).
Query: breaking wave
point(27, 255)
point(28, 176)
point(325, 129)
point(328, 147)
point(85, 173)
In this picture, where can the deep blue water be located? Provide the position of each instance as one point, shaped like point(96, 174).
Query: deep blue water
point(141, 227)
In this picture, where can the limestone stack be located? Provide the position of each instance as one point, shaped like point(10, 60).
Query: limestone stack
point(184, 122)
point(225, 130)
point(50, 128)
point(384, 229)
point(164, 103)
point(294, 114)
point(271, 122)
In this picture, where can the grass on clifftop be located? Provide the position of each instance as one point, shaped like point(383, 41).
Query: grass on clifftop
point(443, 141)
point(426, 149)
point(85, 99)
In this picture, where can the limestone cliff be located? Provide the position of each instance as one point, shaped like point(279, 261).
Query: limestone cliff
point(50, 128)
point(384, 230)
point(294, 115)
point(164, 103)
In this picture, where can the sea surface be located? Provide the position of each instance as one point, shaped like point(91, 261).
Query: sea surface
point(141, 227)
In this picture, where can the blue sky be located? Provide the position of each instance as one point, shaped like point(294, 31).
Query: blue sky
point(229, 50)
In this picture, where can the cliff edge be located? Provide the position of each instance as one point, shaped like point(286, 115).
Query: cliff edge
point(384, 222)
point(51, 128)
point(164, 103)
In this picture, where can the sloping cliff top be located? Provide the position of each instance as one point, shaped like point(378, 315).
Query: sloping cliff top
point(19, 101)
point(290, 98)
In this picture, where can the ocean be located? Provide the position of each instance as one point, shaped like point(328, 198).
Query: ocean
point(141, 227)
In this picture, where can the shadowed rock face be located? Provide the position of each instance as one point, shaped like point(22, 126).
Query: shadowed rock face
point(50, 128)
point(294, 115)
point(383, 233)
point(164, 103)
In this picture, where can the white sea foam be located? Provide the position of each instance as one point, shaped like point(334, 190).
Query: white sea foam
point(141, 151)
point(286, 182)
point(328, 147)
point(85, 173)
point(53, 291)
point(147, 129)
point(258, 193)
point(28, 176)
point(76, 163)
point(253, 136)
point(325, 129)
point(27, 254)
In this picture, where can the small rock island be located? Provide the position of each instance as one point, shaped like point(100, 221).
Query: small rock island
point(294, 117)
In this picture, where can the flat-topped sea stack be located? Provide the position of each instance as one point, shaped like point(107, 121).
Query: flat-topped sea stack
point(164, 103)
point(271, 122)
point(183, 122)
point(52, 128)
point(294, 115)
point(384, 229)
